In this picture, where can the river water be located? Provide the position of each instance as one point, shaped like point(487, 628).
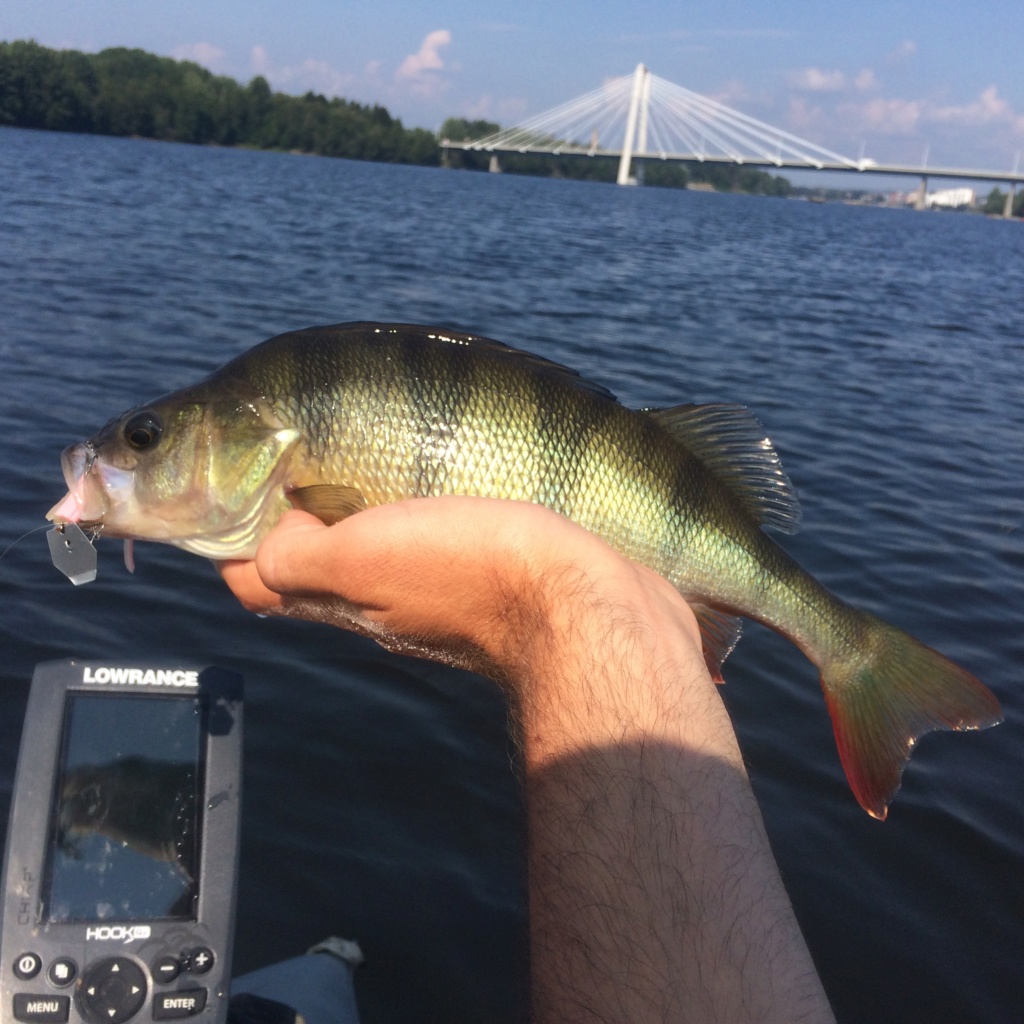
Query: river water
point(883, 350)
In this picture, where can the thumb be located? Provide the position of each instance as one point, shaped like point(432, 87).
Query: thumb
point(292, 558)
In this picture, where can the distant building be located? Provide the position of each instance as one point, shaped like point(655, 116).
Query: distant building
point(951, 198)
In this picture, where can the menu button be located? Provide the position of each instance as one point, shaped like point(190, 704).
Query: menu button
point(41, 1009)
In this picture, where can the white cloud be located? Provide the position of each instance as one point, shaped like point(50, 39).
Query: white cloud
point(479, 109)
point(320, 76)
point(842, 105)
point(206, 54)
point(897, 116)
point(310, 76)
point(506, 112)
point(816, 80)
point(988, 107)
point(258, 60)
point(731, 93)
point(416, 65)
point(865, 81)
point(511, 109)
point(801, 116)
point(887, 117)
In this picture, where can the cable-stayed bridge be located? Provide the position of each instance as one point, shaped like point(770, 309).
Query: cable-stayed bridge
point(642, 117)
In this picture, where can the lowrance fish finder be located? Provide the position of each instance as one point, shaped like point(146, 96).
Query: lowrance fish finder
point(122, 848)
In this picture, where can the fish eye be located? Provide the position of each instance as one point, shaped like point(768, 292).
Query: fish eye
point(143, 429)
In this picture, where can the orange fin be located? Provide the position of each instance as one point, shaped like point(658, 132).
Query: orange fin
point(882, 704)
point(330, 503)
point(719, 634)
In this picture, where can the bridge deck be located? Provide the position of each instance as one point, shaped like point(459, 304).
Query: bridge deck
point(855, 167)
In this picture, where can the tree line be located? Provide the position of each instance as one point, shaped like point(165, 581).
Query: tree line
point(122, 91)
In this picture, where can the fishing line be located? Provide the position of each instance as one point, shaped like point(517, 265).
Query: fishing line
point(35, 529)
point(71, 550)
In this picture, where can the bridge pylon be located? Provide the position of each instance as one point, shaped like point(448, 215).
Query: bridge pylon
point(636, 124)
point(1008, 202)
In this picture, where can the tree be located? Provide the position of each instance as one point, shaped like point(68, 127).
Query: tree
point(458, 129)
point(663, 174)
point(995, 202)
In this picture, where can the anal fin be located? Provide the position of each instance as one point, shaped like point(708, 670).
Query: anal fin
point(719, 634)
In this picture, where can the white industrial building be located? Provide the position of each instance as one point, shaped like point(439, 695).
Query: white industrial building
point(950, 198)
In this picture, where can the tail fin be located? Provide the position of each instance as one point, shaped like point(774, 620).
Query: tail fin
point(883, 702)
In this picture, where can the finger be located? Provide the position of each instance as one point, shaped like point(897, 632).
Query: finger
point(243, 580)
point(385, 555)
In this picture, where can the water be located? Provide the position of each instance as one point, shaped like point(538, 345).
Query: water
point(884, 351)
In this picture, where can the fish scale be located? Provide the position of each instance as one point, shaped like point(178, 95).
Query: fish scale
point(336, 419)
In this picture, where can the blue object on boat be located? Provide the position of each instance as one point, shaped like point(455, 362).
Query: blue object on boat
point(317, 986)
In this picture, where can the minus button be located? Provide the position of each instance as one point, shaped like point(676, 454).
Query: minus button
point(166, 969)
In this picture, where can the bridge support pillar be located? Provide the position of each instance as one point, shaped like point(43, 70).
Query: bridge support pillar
point(921, 202)
point(637, 114)
point(1008, 205)
point(494, 166)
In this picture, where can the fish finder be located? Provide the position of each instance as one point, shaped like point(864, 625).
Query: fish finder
point(122, 848)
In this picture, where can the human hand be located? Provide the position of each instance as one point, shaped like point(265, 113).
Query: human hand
point(476, 582)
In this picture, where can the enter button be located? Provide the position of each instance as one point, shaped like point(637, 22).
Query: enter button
point(184, 1003)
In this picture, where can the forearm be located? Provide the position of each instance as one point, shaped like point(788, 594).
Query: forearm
point(653, 892)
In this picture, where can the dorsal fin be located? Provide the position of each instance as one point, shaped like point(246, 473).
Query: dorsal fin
point(733, 445)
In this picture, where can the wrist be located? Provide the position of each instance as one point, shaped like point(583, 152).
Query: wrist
point(615, 658)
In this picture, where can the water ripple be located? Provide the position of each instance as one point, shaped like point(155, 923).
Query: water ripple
point(881, 349)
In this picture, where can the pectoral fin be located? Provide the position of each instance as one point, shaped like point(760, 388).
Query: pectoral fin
point(330, 503)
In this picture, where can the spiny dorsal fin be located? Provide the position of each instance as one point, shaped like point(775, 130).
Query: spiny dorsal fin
point(330, 503)
point(732, 444)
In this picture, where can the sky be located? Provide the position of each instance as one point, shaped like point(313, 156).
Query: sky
point(897, 81)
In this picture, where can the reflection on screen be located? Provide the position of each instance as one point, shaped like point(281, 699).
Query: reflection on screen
point(124, 832)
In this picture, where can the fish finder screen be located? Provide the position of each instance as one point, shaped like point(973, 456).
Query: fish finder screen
point(125, 824)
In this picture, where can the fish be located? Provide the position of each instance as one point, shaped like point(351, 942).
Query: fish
point(133, 801)
point(339, 418)
point(139, 804)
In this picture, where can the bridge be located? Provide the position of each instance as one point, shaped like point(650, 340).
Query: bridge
point(642, 117)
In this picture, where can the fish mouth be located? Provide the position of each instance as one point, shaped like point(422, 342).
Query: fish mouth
point(93, 488)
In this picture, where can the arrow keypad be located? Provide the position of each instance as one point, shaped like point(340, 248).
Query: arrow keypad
point(112, 991)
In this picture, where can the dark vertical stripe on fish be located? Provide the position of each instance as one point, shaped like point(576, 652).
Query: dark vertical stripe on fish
point(565, 436)
point(439, 391)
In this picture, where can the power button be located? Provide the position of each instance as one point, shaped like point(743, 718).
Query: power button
point(28, 965)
